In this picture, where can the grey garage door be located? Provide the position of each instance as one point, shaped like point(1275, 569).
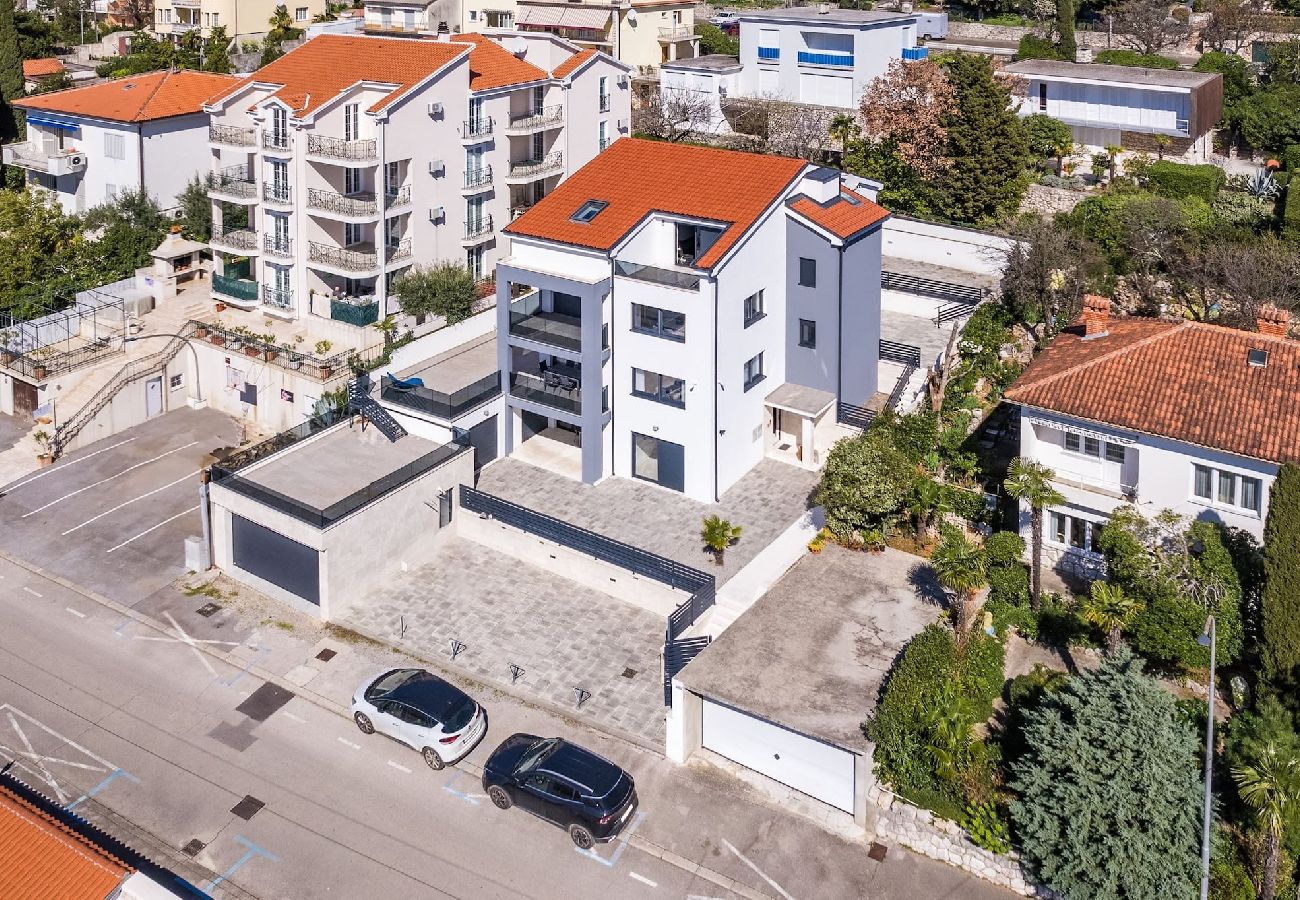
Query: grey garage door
point(271, 556)
point(483, 438)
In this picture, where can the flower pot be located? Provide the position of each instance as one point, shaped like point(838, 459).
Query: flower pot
point(221, 307)
point(200, 332)
point(252, 351)
point(6, 357)
point(268, 355)
point(39, 373)
point(295, 362)
point(325, 372)
point(45, 459)
point(217, 340)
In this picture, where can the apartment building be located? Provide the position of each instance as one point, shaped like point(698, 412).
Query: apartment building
point(86, 145)
point(677, 313)
point(1161, 414)
point(242, 19)
point(352, 158)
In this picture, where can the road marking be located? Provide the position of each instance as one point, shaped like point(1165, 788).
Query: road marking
point(701, 897)
point(77, 613)
point(192, 643)
point(346, 743)
point(761, 874)
point(112, 776)
point(153, 529)
point(251, 850)
point(399, 767)
point(108, 479)
point(462, 795)
point(32, 592)
point(642, 879)
point(257, 657)
point(38, 761)
point(108, 512)
point(65, 465)
point(299, 719)
point(622, 844)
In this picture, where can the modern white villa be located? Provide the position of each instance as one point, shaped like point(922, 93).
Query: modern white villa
point(1125, 106)
point(675, 314)
point(354, 157)
point(1164, 415)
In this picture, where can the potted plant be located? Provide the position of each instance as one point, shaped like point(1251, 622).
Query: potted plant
point(292, 357)
point(323, 347)
point(44, 456)
point(217, 339)
point(719, 534)
point(269, 349)
point(221, 307)
point(201, 331)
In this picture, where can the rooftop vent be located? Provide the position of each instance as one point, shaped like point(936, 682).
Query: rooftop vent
point(1257, 357)
point(588, 211)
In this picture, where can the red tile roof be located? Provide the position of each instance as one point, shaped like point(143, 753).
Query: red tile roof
point(846, 215)
point(43, 858)
point(493, 66)
point(140, 98)
point(564, 69)
point(325, 66)
point(636, 177)
point(1182, 380)
point(39, 68)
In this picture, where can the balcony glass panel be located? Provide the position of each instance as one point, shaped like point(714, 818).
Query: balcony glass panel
point(529, 320)
point(667, 277)
point(439, 404)
point(553, 389)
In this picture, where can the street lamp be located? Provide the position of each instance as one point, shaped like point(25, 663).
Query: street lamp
point(1208, 640)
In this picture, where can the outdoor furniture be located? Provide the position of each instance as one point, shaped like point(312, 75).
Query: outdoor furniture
point(404, 384)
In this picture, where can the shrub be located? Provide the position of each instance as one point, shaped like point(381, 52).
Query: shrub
point(1034, 47)
point(1133, 58)
point(986, 827)
point(1010, 584)
point(1177, 180)
point(1166, 630)
point(1291, 213)
point(1004, 548)
point(1243, 210)
point(1291, 157)
point(1007, 615)
point(1060, 625)
point(866, 478)
point(1282, 566)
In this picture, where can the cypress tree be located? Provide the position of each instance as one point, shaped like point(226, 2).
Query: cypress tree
point(11, 74)
point(216, 52)
point(1065, 28)
point(1282, 578)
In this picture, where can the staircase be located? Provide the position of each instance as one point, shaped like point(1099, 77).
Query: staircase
point(360, 401)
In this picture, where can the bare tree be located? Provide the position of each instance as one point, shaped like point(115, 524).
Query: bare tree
point(782, 126)
point(1146, 26)
point(1233, 24)
point(1047, 271)
point(906, 107)
point(676, 114)
point(1241, 278)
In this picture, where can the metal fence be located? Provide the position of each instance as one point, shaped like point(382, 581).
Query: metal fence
point(930, 287)
point(853, 416)
point(900, 353)
point(442, 405)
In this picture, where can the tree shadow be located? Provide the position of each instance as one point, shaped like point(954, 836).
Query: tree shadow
point(925, 583)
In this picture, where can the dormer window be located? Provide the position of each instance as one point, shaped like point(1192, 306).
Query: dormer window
point(693, 241)
point(588, 211)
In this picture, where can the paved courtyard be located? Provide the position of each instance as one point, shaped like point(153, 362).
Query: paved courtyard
point(767, 501)
point(504, 611)
point(915, 331)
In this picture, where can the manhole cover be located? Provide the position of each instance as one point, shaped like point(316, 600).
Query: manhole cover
point(264, 702)
point(207, 610)
point(629, 673)
point(247, 808)
point(326, 655)
point(877, 851)
point(193, 847)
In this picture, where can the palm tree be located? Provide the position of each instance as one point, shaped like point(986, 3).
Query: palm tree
point(1111, 610)
point(1113, 152)
point(843, 128)
point(946, 723)
point(1271, 787)
point(718, 535)
point(1163, 143)
point(1031, 483)
point(926, 502)
point(960, 566)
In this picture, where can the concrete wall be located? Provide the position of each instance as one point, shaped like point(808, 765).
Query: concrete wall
point(174, 150)
point(977, 252)
point(128, 407)
point(240, 18)
point(223, 372)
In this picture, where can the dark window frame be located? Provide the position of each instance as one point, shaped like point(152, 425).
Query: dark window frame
point(752, 380)
point(659, 330)
point(659, 395)
point(807, 272)
point(808, 333)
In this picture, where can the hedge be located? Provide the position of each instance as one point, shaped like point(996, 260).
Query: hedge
point(1178, 180)
point(1291, 157)
point(1034, 47)
point(1133, 58)
point(1291, 214)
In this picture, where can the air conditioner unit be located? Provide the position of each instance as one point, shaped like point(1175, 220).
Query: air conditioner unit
point(622, 81)
point(437, 168)
point(437, 214)
point(435, 109)
point(622, 124)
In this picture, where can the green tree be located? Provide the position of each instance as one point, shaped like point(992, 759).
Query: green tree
point(961, 566)
point(843, 128)
point(1281, 601)
point(1048, 137)
point(866, 478)
point(1271, 787)
point(34, 233)
point(718, 534)
point(36, 37)
point(1065, 12)
point(714, 40)
point(446, 289)
point(1237, 79)
point(1270, 120)
point(129, 228)
point(11, 75)
point(1108, 789)
point(196, 209)
point(59, 81)
point(216, 52)
point(1110, 609)
point(1031, 483)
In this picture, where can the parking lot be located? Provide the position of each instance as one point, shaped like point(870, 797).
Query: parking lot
point(113, 516)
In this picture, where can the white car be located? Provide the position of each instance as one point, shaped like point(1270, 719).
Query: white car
point(722, 19)
point(419, 709)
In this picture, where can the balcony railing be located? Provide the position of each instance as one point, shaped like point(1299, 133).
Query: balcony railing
point(769, 53)
point(235, 181)
point(277, 193)
point(476, 228)
point(341, 258)
point(398, 250)
point(538, 118)
point(912, 54)
point(517, 211)
point(360, 311)
point(536, 168)
point(676, 33)
point(322, 368)
point(478, 178)
point(240, 289)
point(337, 148)
point(232, 136)
point(477, 128)
point(275, 140)
point(604, 102)
point(238, 238)
point(361, 204)
point(1095, 479)
point(400, 197)
point(275, 245)
point(282, 298)
point(35, 157)
point(438, 404)
point(667, 277)
point(528, 320)
point(557, 391)
point(838, 60)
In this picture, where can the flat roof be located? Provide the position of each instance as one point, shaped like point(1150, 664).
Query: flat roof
point(836, 15)
point(1051, 68)
point(796, 398)
point(714, 62)
point(813, 652)
point(458, 367)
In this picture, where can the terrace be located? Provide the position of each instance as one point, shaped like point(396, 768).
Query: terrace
point(41, 342)
point(451, 383)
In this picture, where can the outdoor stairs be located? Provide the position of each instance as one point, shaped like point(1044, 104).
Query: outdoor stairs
point(360, 401)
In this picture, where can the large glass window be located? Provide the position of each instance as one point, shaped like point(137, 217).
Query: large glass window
point(807, 272)
point(661, 388)
point(1114, 452)
point(1227, 488)
point(662, 462)
point(1250, 493)
point(1201, 482)
point(645, 457)
point(1074, 532)
point(660, 322)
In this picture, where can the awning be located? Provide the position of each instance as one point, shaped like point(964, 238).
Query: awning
point(563, 17)
point(49, 120)
point(800, 400)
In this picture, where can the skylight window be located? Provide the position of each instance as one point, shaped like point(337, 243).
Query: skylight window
point(1257, 357)
point(588, 211)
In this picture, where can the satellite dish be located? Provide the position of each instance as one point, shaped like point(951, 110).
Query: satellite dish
point(631, 17)
point(519, 47)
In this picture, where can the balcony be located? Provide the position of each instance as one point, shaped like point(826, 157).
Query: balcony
point(233, 183)
point(279, 298)
point(517, 211)
point(399, 197)
point(1095, 480)
point(833, 60)
point(51, 162)
point(231, 136)
point(537, 120)
point(477, 231)
point(529, 321)
point(361, 205)
point(241, 239)
point(345, 259)
point(527, 170)
point(438, 404)
point(674, 34)
point(277, 194)
point(477, 180)
point(604, 102)
point(275, 245)
point(477, 129)
point(355, 310)
point(236, 290)
point(557, 391)
point(672, 278)
point(275, 140)
point(396, 251)
point(182, 27)
point(769, 54)
point(331, 148)
point(912, 54)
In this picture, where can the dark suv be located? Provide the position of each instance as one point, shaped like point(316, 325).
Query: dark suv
point(562, 783)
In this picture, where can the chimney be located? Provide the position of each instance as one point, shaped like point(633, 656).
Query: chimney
point(1096, 316)
point(443, 33)
point(1273, 321)
point(1083, 55)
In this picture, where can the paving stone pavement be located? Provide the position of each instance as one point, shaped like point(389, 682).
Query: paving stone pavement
point(770, 498)
point(561, 634)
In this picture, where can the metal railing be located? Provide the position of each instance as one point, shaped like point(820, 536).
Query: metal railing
point(476, 228)
point(275, 140)
point(277, 193)
point(528, 320)
point(676, 33)
point(281, 298)
point(532, 168)
point(667, 277)
point(351, 260)
point(477, 128)
point(604, 102)
point(399, 197)
point(442, 405)
point(232, 135)
point(526, 386)
point(900, 353)
point(234, 181)
point(478, 178)
point(240, 237)
point(837, 60)
point(358, 204)
point(929, 287)
point(853, 416)
point(398, 250)
point(338, 148)
point(321, 368)
point(950, 311)
point(241, 289)
point(42, 364)
point(275, 245)
point(537, 118)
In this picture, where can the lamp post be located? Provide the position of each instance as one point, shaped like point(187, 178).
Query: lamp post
point(1208, 640)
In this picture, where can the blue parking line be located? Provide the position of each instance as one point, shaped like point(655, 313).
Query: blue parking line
point(112, 776)
point(622, 844)
point(257, 657)
point(251, 851)
point(451, 790)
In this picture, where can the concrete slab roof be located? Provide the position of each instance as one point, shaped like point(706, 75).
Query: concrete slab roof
point(1168, 78)
point(458, 367)
point(713, 62)
point(804, 401)
point(813, 652)
point(834, 15)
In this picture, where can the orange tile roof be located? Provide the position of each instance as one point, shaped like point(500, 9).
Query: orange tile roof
point(493, 66)
point(325, 66)
point(636, 177)
point(39, 68)
point(140, 98)
point(564, 69)
point(846, 215)
point(1182, 380)
point(43, 858)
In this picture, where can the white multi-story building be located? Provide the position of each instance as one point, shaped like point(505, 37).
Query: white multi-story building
point(676, 313)
point(88, 144)
point(242, 19)
point(352, 158)
point(1163, 415)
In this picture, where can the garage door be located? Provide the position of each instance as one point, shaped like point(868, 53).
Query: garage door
point(275, 558)
point(825, 90)
point(797, 761)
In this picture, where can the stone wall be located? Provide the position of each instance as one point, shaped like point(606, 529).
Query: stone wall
point(977, 31)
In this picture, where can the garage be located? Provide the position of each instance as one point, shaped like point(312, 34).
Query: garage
point(271, 556)
point(806, 764)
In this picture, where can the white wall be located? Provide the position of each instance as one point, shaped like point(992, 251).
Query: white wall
point(1144, 108)
point(175, 150)
point(965, 249)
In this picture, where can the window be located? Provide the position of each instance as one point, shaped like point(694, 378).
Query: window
point(473, 15)
point(662, 462)
point(1071, 531)
point(351, 233)
point(662, 323)
point(1115, 453)
point(114, 145)
point(392, 177)
point(753, 308)
point(1042, 96)
point(216, 19)
point(539, 99)
point(588, 211)
point(1091, 446)
point(300, 14)
point(351, 181)
point(563, 791)
point(1085, 443)
point(1201, 481)
point(1227, 488)
point(351, 122)
point(753, 371)
point(693, 241)
point(660, 388)
point(176, 382)
point(1072, 441)
point(807, 272)
point(474, 261)
point(807, 333)
point(110, 192)
point(1250, 493)
point(602, 133)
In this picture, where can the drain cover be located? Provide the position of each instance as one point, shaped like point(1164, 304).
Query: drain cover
point(247, 808)
point(326, 655)
point(193, 847)
point(208, 610)
point(877, 851)
point(629, 673)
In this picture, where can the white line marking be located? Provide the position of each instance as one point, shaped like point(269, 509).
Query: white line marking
point(759, 872)
point(32, 592)
point(128, 503)
point(108, 479)
point(149, 530)
point(73, 463)
point(79, 615)
point(12, 715)
point(299, 719)
point(399, 767)
point(642, 879)
point(192, 643)
point(346, 743)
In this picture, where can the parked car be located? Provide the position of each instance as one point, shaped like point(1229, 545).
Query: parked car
point(419, 709)
point(722, 19)
point(580, 791)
